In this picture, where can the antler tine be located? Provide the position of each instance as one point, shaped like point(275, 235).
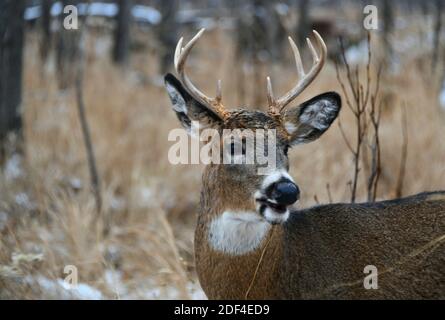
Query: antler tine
point(183, 52)
point(270, 97)
point(313, 51)
point(297, 57)
point(218, 96)
point(181, 55)
point(277, 105)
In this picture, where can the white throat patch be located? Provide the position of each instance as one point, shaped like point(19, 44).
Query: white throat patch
point(237, 233)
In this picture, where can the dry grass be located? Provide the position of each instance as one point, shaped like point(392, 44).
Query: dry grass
point(47, 211)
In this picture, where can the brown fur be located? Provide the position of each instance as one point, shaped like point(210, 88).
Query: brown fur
point(220, 274)
point(321, 253)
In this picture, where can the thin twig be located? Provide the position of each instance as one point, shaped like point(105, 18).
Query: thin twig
point(379, 154)
point(361, 95)
point(246, 296)
point(348, 69)
point(94, 175)
point(344, 137)
point(375, 116)
point(375, 150)
point(368, 69)
point(95, 183)
point(343, 88)
point(316, 199)
point(328, 189)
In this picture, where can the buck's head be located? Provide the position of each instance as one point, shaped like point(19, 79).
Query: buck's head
point(264, 188)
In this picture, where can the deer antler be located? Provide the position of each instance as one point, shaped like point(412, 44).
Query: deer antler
point(181, 54)
point(277, 105)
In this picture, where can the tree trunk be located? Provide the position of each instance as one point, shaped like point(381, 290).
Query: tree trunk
point(436, 36)
point(303, 23)
point(122, 33)
point(388, 25)
point(167, 34)
point(11, 67)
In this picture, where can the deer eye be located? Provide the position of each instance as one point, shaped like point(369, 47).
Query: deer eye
point(286, 150)
point(232, 149)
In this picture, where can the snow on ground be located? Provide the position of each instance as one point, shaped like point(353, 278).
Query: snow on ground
point(140, 13)
point(148, 289)
point(60, 289)
point(113, 279)
point(13, 167)
point(169, 292)
point(22, 199)
point(195, 291)
point(146, 14)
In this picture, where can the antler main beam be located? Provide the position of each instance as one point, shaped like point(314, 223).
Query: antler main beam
point(181, 55)
point(277, 105)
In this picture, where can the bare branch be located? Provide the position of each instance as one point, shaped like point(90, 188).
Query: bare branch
point(94, 175)
point(328, 189)
point(343, 88)
point(344, 137)
point(316, 199)
point(361, 96)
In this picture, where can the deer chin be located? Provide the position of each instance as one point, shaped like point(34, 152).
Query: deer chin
point(271, 211)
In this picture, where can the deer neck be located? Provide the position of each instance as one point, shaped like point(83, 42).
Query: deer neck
point(237, 253)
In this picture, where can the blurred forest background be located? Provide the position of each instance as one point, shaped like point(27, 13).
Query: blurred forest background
point(84, 120)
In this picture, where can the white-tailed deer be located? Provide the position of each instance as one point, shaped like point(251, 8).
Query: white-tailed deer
point(250, 243)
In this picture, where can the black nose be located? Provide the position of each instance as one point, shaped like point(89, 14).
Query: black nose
point(285, 192)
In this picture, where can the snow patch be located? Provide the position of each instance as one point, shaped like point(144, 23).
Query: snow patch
point(75, 183)
point(146, 14)
point(22, 199)
point(33, 13)
point(146, 197)
point(357, 54)
point(140, 13)
point(118, 203)
point(113, 279)
point(195, 291)
point(13, 167)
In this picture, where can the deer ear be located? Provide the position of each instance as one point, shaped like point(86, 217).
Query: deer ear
point(311, 119)
point(187, 108)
